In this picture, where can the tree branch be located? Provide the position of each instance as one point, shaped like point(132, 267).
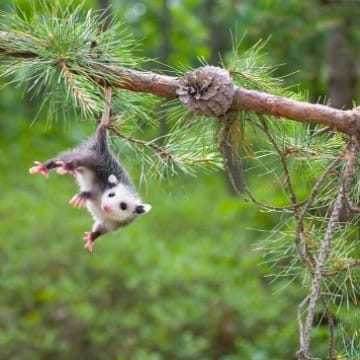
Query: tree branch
point(344, 121)
point(305, 332)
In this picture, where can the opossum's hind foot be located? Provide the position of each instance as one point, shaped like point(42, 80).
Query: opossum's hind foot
point(78, 201)
point(89, 244)
point(64, 168)
point(39, 168)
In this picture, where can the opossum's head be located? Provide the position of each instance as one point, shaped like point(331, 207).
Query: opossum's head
point(121, 203)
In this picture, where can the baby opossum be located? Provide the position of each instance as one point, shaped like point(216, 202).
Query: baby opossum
point(105, 187)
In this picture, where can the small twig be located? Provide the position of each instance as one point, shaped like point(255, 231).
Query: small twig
point(315, 289)
point(350, 154)
point(304, 253)
point(345, 267)
point(270, 207)
point(322, 131)
point(301, 355)
point(162, 152)
point(352, 207)
point(319, 183)
point(224, 145)
point(330, 321)
point(283, 162)
point(300, 322)
point(331, 349)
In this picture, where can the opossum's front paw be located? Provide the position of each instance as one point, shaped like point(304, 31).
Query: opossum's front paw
point(89, 237)
point(39, 168)
point(64, 168)
point(78, 201)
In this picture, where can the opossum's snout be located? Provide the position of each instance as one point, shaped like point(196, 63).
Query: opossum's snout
point(142, 209)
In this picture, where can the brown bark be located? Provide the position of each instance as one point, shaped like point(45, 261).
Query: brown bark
point(345, 121)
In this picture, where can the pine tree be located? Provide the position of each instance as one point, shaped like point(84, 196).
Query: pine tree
point(67, 56)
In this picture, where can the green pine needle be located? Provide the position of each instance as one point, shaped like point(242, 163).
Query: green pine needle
point(68, 50)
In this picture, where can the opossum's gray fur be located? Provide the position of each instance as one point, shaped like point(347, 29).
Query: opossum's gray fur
point(94, 154)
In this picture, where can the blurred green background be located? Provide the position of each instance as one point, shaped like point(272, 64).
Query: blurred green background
point(186, 281)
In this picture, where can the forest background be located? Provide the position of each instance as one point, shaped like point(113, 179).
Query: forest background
point(190, 279)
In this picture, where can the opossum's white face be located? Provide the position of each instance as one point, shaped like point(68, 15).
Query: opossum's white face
point(121, 203)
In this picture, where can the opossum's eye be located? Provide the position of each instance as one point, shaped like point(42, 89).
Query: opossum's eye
point(112, 194)
point(123, 206)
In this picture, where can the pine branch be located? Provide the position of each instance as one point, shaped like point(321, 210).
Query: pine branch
point(344, 121)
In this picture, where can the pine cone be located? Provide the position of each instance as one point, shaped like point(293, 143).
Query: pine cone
point(208, 90)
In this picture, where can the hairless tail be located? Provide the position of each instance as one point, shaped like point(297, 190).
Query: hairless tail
point(104, 122)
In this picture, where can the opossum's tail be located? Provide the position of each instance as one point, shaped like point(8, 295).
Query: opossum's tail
point(104, 122)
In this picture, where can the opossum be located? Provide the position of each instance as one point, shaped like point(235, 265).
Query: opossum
point(105, 187)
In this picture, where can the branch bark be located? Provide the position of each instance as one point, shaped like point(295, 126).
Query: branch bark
point(344, 121)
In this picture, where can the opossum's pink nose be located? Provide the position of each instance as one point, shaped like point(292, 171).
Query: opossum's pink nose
point(107, 208)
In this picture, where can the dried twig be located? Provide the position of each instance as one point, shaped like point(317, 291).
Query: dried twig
point(162, 152)
point(305, 255)
point(224, 147)
point(353, 208)
point(283, 162)
point(340, 269)
point(305, 331)
point(300, 322)
point(331, 349)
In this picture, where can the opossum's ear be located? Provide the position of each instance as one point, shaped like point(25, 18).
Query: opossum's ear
point(113, 180)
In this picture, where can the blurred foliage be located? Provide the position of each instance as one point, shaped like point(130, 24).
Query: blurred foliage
point(150, 291)
point(186, 281)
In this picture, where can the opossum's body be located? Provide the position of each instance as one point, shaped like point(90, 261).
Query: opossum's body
point(105, 187)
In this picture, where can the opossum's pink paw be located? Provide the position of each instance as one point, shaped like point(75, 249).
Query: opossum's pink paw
point(78, 201)
point(89, 241)
point(39, 169)
point(89, 246)
point(62, 169)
